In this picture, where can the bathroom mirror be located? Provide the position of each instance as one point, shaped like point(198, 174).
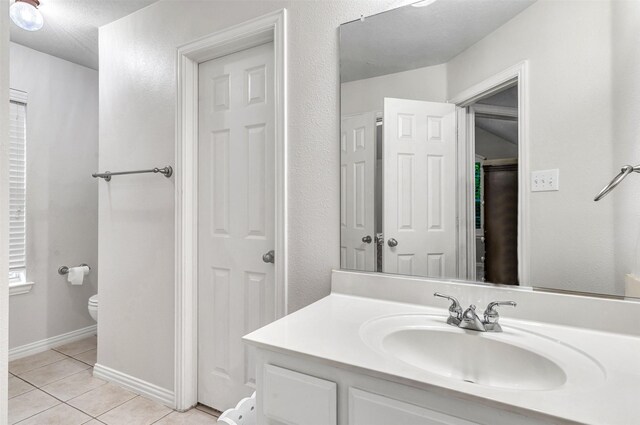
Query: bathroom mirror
point(475, 135)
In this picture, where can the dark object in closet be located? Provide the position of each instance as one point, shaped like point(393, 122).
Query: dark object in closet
point(501, 223)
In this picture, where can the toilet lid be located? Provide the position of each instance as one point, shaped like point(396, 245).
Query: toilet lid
point(93, 300)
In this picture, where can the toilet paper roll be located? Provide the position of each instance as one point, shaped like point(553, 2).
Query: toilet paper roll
point(76, 274)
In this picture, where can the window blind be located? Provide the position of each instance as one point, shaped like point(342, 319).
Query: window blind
point(17, 187)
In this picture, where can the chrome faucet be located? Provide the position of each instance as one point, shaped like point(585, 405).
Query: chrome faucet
point(469, 319)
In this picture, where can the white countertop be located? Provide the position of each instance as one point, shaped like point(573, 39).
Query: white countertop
point(329, 330)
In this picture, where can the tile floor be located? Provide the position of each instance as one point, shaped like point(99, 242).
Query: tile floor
point(57, 387)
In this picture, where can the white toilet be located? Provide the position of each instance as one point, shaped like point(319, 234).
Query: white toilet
point(93, 307)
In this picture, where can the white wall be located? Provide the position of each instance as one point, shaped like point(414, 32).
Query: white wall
point(429, 83)
point(62, 197)
point(492, 146)
point(568, 45)
point(626, 131)
point(137, 127)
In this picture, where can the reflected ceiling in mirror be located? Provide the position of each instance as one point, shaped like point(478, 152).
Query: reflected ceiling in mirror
point(475, 135)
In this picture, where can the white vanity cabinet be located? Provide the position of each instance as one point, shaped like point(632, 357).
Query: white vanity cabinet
point(294, 390)
point(296, 398)
point(374, 409)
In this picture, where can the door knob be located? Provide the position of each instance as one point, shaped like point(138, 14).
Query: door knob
point(367, 239)
point(392, 242)
point(269, 257)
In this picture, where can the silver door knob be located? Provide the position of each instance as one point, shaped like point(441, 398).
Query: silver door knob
point(392, 242)
point(269, 257)
point(367, 239)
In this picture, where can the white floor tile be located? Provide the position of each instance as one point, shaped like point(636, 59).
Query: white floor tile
point(29, 404)
point(61, 414)
point(138, 411)
point(53, 372)
point(74, 385)
point(102, 399)
point(26, 364)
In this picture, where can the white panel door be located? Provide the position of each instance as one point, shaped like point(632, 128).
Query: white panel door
point(419, 192)
point(357, 180)
point(236, 219)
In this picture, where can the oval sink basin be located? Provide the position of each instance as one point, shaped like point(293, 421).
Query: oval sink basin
point(514, 359)
point(474, 359)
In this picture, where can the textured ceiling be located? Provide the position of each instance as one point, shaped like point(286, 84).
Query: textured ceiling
point(71, 27)
point(414, 37)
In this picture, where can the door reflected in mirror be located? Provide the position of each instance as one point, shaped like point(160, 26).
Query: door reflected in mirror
point(460, 118)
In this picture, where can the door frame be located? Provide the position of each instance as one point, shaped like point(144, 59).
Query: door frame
point(264, 29)
point(517, 74)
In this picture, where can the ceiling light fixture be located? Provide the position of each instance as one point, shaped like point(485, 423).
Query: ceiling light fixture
point(25, 14)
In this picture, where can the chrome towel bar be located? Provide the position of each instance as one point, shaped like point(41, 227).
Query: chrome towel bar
point(166, 171)
point(624, 172)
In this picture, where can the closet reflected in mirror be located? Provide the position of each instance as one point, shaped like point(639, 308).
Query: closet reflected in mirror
point(475, 135)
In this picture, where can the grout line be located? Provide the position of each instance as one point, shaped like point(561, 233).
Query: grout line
point(33, 389)
point(155, 422)
point(64, 377)
point(106, 382)
point(77, 373)
point(82, 361)
point(60, 400)
point(29, 370)
point(37, 413)
point(75, 354)
point(51, 349)
point(115, 407)
point(84, 413)
point(27, 382)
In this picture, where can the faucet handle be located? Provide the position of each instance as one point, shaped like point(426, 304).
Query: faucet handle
point(491, 316)
point(455, 310)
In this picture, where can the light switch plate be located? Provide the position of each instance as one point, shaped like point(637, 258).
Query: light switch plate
point(545, 180)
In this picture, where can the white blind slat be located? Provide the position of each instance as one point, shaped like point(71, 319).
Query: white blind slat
point(18, 185)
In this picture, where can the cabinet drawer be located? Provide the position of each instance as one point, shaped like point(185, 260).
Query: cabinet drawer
point(294, 398)
point(372, 409)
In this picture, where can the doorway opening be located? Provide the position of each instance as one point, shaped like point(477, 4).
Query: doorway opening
point(495, 131)
point(493, 186)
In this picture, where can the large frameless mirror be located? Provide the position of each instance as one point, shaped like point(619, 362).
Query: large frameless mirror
point(475, 135)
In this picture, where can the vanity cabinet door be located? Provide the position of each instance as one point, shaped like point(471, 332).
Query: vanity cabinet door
point(372, 409)
point(293, 398)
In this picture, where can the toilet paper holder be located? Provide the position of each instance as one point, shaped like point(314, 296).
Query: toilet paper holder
point(65, 270)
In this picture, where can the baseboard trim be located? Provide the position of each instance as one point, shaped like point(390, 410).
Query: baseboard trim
point(47, 344)
point(144, 388)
